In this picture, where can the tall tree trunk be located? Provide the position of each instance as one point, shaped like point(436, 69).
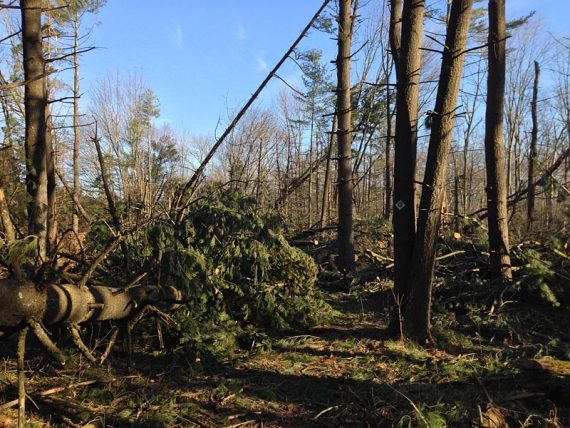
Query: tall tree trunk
point(310, 179)
point(259, 175)
point(404, 215)
point(51, 185)
point(533, 152)
point(418, 311)
point(35, 99)
point(456, 214)
point(76, 129)
point(494, 151)
point(326, 186)
point(395, 33)
point(344, 137)
point(6, 162)
point(7, 225)
point(50, 157)
point(388, 170)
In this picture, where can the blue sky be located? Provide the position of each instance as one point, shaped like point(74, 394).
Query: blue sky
point(202, 57)
point(198, 56)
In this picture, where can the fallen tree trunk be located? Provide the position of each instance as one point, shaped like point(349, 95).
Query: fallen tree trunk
point(72, 304)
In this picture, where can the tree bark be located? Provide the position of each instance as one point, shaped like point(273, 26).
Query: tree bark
point(344, 138)
point(73, 304)
point(76, 129)
point(418, 311)
point(7, 225)
point(51, 184)
point(50, 157)
point(310, 179)
point(407, 100)
point(327, 180)
point(388, 170)
point(533, 151)
point(35, 100)
point(395, 33)
point(494, 151)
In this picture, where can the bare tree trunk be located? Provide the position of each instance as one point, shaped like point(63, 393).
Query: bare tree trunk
point(533, 152)
point(494, 151)
point(510, 147)
point(311, 137)
point(326, 186)
point(259, 176)
point(395, 40)
point(111, 201)
point(388, 170)
point(344, 137)
point(50, 158)
point(404, 216)
point(456, 213)
point(418, 311)
point(395, 34)
point(76, 129)
point(51, 185)
point(35, 100)
point(467, 174)
point(7, 225)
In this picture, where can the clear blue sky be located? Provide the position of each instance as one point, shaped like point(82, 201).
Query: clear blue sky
point(201, 56)
point(198, 56)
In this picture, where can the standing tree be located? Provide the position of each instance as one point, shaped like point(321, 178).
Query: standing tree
point(417, 315)
point(533, 150)
point(344, 137)
point(494, 151)
point(318, 103)
point(68, 16)
point(35, 101)
point(408, 64)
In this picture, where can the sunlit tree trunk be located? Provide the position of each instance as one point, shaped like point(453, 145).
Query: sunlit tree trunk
point(494, 151)
point(408, 73)
point(388, 166)
point(76, 129)
point(311, 138)
point(35, 106)
point(50, 156)
point(533, 151)
point(418, 310)
point(344, 137)
point(326, 186)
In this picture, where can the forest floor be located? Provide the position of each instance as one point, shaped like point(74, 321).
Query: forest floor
point(346, 373)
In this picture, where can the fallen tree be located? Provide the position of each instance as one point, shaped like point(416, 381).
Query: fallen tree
point(30, 305)
point(71, 304)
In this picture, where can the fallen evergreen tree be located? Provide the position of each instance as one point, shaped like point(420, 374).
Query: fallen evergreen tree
point(236, 270)
point(226, 264)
